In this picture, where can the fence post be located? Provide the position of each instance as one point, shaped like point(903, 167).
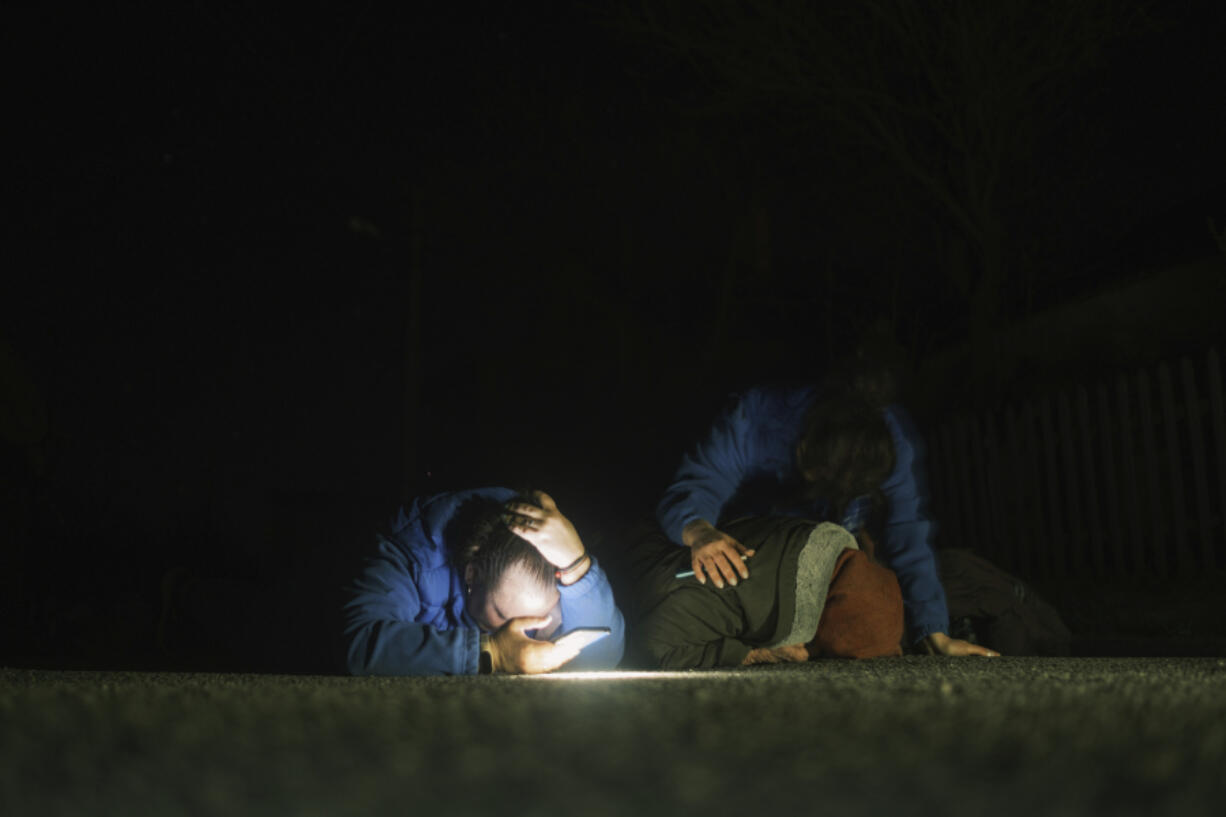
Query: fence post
point(994, 478)
point(1015, 491)
point(937, 509)
point(1089, 463)
point(1199, 474)
point(1179, 509)
point(1160, 533)
point(1040, 531)
point(1217, 411)
point(1055, 557)
point(972, 508)
point(979, 479)
point(1112, 505)
point(1132, 493)
point(1074, 544)
point(952, 504)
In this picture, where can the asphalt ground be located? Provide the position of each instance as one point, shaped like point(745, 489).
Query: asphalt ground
point(915, 735)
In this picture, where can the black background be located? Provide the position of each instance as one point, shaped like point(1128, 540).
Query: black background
point(271, 272)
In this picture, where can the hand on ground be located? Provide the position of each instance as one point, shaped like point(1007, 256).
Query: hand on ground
point(941, 644)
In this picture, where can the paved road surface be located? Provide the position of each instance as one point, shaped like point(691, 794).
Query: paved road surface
point(910, 736)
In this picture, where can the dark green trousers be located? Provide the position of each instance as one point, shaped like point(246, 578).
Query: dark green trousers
point(683, 623)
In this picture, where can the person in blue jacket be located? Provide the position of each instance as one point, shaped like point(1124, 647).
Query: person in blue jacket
point(822, 453)
point(477, 581)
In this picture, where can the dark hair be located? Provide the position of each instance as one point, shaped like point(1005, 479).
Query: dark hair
point(847, 448)
point(478, 539)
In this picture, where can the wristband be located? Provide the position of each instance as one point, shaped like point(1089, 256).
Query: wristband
point(562, 571)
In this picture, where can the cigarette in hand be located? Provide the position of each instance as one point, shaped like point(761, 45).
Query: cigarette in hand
point(685, 574)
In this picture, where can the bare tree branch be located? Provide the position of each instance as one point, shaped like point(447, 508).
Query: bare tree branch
point(953, 93)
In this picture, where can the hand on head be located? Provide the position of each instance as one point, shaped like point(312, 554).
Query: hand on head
point(546, 529)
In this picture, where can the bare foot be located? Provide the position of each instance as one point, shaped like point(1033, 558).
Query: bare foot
point(789, 654)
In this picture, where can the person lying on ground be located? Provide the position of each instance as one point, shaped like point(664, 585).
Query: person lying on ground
point(812, 594)
point(824, 453)
point(477, 581)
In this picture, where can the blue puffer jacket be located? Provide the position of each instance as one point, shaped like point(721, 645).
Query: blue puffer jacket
point(407, 614)
point(747, 466)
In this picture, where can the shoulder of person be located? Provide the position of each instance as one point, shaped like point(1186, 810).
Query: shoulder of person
point(901, 424)
point(909, 445)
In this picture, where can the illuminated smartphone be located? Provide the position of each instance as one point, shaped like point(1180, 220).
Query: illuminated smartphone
point(580, 637)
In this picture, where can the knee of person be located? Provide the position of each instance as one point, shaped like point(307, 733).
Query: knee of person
point(836, 535)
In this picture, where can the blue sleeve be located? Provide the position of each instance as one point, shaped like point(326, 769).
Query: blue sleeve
point(907, 546)
point(710, 474)
point(384, 639)
point(589, 603)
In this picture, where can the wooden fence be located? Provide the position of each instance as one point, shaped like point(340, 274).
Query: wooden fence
point(1111, 480)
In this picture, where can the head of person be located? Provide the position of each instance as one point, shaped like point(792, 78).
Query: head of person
point(846, 450)
point(505, 576)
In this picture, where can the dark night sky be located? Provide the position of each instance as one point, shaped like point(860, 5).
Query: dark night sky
point(219, 214)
